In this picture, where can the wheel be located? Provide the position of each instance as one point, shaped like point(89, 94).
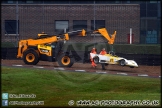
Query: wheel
point(30, 57)
point(106, 64)
point(96, 59)
point(65, 61)
point(131, 66)
point(122, 62)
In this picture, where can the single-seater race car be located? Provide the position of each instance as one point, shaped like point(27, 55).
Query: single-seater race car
point(111, 58)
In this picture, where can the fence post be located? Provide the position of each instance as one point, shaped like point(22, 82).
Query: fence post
point(64, 30)
point(130, 35)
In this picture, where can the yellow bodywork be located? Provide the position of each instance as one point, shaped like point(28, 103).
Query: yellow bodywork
point(104, 33)
point(44, 49)
point(23, 45)
point(39, 35)
point(113, 59)
point(40, 42)
point(83, 33)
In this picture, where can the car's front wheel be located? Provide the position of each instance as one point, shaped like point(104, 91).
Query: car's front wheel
point(122, 62)
point(131, 66)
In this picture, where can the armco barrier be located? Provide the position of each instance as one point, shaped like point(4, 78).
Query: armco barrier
point(82, 56)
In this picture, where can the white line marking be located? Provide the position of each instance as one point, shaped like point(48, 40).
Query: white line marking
point(17, 65)
point(38, 67)
point(59, 68)
point(142, 75)
point(84, 71)
point(100, 72)
point(80, 70)
point(122, 73)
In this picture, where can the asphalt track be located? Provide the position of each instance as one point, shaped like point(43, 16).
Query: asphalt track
point(149, 65)
point(78, 67)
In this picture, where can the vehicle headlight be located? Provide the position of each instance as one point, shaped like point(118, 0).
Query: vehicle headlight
point(45, 51)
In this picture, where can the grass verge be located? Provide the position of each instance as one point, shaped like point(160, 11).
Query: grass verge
point(57, 88)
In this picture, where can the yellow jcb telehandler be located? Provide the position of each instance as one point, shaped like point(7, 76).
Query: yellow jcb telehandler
point(47, 48)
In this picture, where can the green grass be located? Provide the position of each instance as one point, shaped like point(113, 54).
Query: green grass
point(57, 88)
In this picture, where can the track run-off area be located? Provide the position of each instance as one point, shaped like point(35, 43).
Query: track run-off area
point(141, 71)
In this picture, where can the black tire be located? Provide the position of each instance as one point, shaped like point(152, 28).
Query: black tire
point(65, 60)
point(122, 62)
point(106, 64)
point(96, 59)
point(30, 57)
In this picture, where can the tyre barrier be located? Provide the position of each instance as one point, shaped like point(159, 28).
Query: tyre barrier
point(141, 59)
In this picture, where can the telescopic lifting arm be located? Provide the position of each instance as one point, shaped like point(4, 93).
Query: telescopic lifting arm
point(24, 44)
point(104, 33)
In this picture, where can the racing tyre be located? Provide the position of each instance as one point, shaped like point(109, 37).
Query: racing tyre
point(106, 64)
point(96, 59)
point(30, 57)
point(65, 61)
point(122, 62)
point(131, 66)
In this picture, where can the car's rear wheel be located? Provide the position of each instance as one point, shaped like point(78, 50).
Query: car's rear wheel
point(96, 59)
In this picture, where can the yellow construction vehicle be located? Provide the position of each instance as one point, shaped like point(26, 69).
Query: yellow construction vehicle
point(109, 38)
point(104, 33)
point(47, 48)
